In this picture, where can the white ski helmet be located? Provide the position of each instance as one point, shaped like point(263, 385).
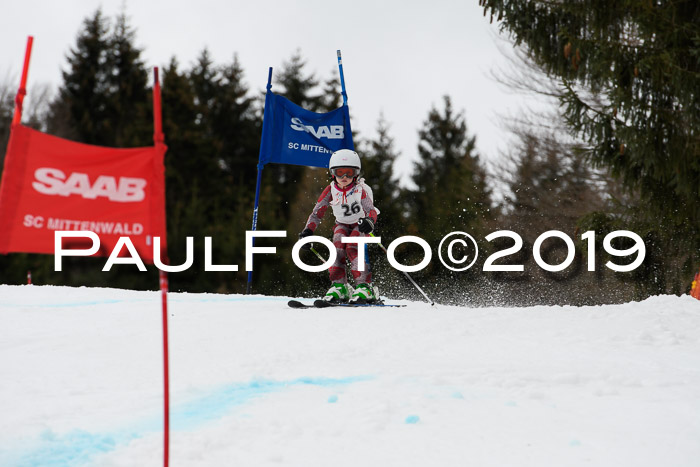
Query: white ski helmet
point(345, 158)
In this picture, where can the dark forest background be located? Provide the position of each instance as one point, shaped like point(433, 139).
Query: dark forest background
point(621, 150)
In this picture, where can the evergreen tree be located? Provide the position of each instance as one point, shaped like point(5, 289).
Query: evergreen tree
point(332, 93)
point(212, 136)
point(378, 167)
point(630, 72)
point(451, 192)
point(235, 130)
point(186, 173)
point(206, 82)
point(129, 112)
point(299, 87)
point(378, 158)
point(104, 99)
point(80, 112)
point(181, 133)
point(236, 126)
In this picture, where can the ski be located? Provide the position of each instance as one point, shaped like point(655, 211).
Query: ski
point(326, 304)
point(298, 304)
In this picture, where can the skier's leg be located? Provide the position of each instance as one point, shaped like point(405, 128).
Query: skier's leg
point(365, 291)
point(361, 277)
point(340, 290)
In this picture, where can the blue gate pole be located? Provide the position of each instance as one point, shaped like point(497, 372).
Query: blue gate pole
point(255, 223)
point(345, 102)
point(342, 79)
point(249, 286)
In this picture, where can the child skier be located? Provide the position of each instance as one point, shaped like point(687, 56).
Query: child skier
point(355, 215)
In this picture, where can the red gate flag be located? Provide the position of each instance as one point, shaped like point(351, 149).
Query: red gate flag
point(50, 184)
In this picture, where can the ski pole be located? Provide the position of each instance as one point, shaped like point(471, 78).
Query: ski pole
point(313, 250)
point(406, 274)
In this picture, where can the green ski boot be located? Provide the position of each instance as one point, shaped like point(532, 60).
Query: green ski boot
point(365, 293)
point(338, 293)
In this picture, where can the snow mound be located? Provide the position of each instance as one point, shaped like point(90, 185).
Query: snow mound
point(256, 383)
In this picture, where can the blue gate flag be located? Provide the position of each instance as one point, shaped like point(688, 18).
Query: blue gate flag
point(294, 135)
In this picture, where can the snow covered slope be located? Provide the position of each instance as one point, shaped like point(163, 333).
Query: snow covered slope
point(255, 383)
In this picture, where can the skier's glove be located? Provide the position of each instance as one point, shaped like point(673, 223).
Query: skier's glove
point(306, 233)
point(365, 225)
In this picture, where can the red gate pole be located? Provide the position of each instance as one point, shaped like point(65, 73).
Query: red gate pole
point(19, 100)
point(159, 140)
point(166, 365)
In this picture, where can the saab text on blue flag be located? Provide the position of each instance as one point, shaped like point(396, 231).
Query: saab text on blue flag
point(293, 135)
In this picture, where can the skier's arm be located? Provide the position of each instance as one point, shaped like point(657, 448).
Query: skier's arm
point(368, 207)
point(324, 201)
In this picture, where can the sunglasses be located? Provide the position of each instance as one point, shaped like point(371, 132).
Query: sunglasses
point(347, 172)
